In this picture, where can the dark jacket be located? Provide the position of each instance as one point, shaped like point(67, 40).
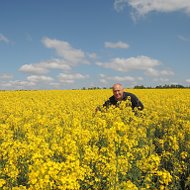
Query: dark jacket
point(135, 102)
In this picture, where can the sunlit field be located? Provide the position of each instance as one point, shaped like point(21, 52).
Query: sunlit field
point(55, 140)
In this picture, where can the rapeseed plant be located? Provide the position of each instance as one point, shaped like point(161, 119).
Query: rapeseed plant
point(55, 140)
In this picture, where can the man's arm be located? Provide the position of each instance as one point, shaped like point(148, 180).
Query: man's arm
point(140, 105)
point(136, 103)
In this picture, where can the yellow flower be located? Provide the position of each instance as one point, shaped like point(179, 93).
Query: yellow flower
point(164, 177)
point(184, 155)
point(2, 182)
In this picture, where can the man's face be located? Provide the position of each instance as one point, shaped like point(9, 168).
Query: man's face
point(118, 92)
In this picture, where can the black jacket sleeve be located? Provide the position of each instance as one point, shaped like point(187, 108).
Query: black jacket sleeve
point(136, 102)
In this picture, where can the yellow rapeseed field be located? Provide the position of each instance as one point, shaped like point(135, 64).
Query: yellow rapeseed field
point(54, 140)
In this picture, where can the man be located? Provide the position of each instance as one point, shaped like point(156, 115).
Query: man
point(120, 95)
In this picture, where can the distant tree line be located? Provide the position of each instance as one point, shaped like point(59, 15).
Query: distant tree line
point(166, 86)
point(162, 86)
point(93, 88)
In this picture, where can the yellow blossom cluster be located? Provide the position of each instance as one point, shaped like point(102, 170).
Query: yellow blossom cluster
point(56, 140)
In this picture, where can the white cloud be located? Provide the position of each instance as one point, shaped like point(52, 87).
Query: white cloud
point(6, 76)
point(143, 63)
point(120, 4)
point(92, 55)
point(106, 79)
point(143, 7)
point(36, 78)
point(166, 73)
point(133, 63)
point(70, 78)
point(44, 67)
point(161, 79)
point(55, 64)
point(55, 84)
point(155, 73)
point(125, 78)
point(17, 84)
point(140, 78)
point(152, 72)
point(118, 44)
point(71, 55)
point(33, 68)
point(4, 39)
point(188, 81)
point(103, 81)
point(102, 75)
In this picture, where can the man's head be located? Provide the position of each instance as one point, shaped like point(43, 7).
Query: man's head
point(118, 91)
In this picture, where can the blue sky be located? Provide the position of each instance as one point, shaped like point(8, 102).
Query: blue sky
point(70, 44)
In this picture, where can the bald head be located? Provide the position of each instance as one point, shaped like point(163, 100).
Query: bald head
point(118, 91)
point(117, 85)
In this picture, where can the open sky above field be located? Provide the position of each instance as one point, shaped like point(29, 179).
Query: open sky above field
point(69, 44)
